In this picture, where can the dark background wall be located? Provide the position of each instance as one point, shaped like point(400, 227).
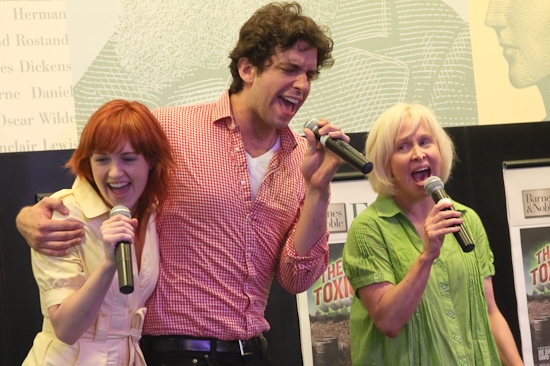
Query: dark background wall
point(22, 176)
point(476, 181)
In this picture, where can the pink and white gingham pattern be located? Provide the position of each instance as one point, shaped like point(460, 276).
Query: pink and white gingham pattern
point(220, 249)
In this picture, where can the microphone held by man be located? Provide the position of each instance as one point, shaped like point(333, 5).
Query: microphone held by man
point(341, 148)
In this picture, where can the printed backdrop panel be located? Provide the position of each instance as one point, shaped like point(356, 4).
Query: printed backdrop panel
point(528, 206)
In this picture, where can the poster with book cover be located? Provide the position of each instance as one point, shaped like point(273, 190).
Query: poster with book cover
point(324, 308)
point(527, 187)
point(535, 247)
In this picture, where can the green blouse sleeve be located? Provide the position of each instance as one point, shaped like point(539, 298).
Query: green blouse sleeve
point(482, 250)
point(366, 258)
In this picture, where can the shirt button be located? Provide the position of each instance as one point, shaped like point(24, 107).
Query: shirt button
point(243, 182)
point(450, 313)
point(237, 149)
point(457, 338)
point(445, 288)
point(438, 263)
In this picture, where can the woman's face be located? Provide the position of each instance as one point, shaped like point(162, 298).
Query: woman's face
point(523, 30)
point(415, 157)
point(121, 176)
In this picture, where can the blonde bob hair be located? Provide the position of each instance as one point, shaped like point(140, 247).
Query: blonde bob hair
point(381, 138)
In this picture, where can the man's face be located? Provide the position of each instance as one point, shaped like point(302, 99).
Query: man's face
point(280, 90)
point(523, 30)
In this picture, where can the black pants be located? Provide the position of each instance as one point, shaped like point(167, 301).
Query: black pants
point(193, 358)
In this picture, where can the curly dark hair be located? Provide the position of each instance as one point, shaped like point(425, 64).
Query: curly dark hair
point(277, 27)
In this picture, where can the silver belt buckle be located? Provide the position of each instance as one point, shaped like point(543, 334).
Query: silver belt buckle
point(243, 353)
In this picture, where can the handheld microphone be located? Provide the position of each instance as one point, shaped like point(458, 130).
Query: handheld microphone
point(434, 187)
point(341, 148)
point(124, 256)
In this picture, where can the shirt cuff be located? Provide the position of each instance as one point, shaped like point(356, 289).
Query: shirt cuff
point(319, 250)
point(55, 297)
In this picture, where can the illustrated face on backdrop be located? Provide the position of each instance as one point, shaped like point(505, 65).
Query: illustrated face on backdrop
point(121, 176)
point(523, 30)
point(415, 157)
point(283, 86)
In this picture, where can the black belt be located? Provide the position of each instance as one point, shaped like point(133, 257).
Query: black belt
point(184, 343)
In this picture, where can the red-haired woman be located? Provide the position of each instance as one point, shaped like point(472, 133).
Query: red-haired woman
point(123, 158)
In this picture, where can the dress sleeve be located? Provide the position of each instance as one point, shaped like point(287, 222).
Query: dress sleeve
point(58, 277)
point(366, 257)
point(482, 249)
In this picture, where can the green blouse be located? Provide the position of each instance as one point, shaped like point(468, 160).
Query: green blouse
point(451, 324)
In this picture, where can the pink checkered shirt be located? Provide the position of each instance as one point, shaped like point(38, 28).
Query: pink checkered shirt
point(220, 249)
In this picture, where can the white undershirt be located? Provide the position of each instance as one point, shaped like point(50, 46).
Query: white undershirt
point(257, 167)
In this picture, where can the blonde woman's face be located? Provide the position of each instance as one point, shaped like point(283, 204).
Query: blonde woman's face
point(415, 157)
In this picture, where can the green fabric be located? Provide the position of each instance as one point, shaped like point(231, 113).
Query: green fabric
point(451, 324)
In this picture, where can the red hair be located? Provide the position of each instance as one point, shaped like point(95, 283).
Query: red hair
point(114, 124)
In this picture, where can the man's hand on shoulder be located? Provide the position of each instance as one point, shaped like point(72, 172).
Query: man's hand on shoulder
point(47, 236)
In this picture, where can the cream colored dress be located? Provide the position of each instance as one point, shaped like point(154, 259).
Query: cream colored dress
point(113, 339)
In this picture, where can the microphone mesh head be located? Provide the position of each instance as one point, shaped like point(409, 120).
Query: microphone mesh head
point(120, 210)
point(432, 184)
point(312, 124)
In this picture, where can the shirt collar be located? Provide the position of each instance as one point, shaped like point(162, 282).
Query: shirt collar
point(387, 207)
point(222, 108)
point(89, 200)
point(222, 111)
